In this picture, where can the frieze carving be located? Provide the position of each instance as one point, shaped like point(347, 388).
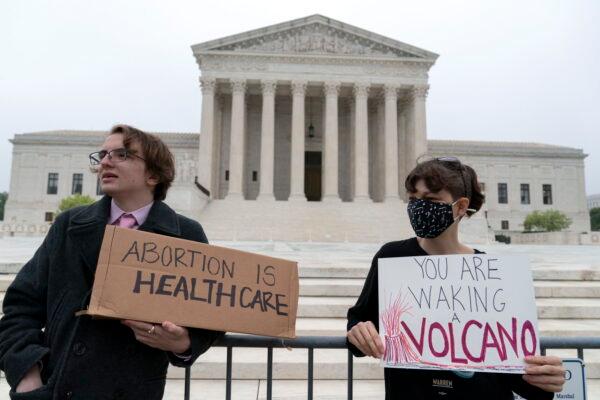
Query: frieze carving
point(316, 39)
point(249, 63)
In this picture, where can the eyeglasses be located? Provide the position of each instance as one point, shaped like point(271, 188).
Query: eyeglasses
point(116, 155)
point(455, 164)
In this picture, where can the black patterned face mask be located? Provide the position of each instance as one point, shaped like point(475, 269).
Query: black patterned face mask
point(429, 219)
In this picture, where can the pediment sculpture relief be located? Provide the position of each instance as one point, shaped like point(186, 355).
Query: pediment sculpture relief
point(316, 39)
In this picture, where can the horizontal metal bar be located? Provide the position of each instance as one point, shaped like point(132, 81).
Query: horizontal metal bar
point(317, 342)
point(339, 342)
point(588, 342)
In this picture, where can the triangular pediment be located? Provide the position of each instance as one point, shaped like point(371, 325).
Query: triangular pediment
point(314, 35)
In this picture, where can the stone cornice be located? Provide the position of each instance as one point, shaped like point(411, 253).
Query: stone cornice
point(502, 149)
point(95, 138)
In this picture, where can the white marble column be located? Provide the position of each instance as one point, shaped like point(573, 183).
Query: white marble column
point(206, 155)
point(297, 146)
point(237, 142)
point(391, 142)
point(402, 148)
point(417, 124)
point(267, 141)
point(331, 143)
point(361, 142)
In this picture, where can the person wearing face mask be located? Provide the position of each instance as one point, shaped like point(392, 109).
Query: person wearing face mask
point(441, 193)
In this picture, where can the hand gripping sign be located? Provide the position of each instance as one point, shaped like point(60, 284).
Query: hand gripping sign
point(148, 277)
point(472, 312)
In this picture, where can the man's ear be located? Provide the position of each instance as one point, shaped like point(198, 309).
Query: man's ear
point(152, 180)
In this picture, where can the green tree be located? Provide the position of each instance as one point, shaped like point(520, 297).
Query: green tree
point(595, 218)
point(74, 201)
point(548, 221)
point(3, 198)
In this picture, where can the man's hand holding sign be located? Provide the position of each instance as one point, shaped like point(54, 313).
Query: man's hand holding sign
point(155, 278)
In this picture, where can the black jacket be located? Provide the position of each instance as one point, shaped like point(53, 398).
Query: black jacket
point(84, 358)
point(429, 384)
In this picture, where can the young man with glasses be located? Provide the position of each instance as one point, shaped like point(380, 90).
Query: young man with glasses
point(45, 350)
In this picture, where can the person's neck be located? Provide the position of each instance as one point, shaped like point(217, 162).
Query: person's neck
point(129, 204)
point(446, 243)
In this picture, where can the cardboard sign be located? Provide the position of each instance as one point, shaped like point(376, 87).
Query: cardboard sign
point(574, 387)
point(149, 277)
point(472, 312)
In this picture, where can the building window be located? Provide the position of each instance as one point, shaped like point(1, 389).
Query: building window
point(77, 186)
point(502, 193)
point(52, 183)
point(547, 190)
point(99, 191)
point(254, 176)
point(504, 225)
point(525, 193)
point(49, 217)
point(226, 174)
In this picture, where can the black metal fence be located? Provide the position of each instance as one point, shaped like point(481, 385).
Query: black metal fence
point(339, 342)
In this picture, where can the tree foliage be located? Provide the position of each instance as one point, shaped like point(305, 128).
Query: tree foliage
point(3, 198)
point(546, 221)
point(74, 201)
point(595, 218)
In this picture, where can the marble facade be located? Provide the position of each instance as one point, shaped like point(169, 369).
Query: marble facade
point(308, 130)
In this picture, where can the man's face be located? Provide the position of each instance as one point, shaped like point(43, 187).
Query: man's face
point(125, 179)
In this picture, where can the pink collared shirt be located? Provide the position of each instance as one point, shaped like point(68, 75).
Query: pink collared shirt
point(140, 215)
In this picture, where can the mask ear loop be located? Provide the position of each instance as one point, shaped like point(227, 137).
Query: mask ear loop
point(461, 216)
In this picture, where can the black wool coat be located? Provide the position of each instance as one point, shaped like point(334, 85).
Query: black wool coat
point(81, 357)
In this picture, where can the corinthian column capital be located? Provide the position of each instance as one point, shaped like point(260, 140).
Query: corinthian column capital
point(419, 92)
point(390, 91)
point(238, 86)
point(207, 85)
point(299, 88)
point(268, 87)
point(361, 89)
point(332, 88)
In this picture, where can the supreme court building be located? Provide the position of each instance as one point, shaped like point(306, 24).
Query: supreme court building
point(308, 130)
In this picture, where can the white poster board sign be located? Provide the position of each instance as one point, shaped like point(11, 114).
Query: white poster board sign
point(471, 312)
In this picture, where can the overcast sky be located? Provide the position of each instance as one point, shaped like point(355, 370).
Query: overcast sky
point(508, 70)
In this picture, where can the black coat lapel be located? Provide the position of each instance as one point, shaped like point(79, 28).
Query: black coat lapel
point(86, 231)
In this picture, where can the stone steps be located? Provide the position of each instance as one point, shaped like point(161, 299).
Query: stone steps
point(337, 307)
point(339, 287)
point(548, 327)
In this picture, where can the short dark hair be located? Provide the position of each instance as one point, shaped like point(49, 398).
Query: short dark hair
point(443, 173)
point(159, 159)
